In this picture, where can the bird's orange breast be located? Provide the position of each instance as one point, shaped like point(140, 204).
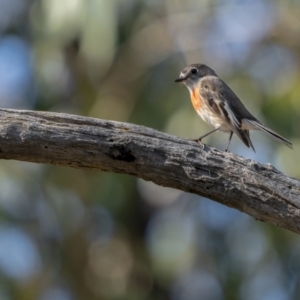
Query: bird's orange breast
point(196, 100)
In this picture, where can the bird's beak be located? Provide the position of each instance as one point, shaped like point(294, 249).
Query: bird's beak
point(180, 79)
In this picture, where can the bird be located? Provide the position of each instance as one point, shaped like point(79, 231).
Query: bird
point(220, 107)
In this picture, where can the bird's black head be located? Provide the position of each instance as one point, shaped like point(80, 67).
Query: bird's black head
point(191, 74)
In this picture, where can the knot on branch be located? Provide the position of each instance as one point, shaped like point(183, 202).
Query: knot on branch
point(121, 153)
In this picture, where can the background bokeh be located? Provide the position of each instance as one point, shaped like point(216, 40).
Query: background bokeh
point(71, 234)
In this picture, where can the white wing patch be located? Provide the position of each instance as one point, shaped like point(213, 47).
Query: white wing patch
point(234, 121)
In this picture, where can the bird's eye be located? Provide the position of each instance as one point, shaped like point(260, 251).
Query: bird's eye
point(194, 71)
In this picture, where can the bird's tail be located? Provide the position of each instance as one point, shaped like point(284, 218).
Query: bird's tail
point(244, 136)
point(269, 131)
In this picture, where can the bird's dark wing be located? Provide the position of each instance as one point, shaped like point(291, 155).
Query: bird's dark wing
point(223, 102)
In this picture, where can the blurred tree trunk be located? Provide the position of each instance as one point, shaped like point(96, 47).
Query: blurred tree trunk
point(54, 138)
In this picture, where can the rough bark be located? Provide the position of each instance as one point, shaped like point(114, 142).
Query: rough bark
point(68, 140)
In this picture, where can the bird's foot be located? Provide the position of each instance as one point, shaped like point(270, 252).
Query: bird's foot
point(199, 142)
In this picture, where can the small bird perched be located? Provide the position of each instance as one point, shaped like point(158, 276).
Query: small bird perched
point(220, 107)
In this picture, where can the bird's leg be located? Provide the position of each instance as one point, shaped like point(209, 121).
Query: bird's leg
point(205, 135)
point(230, 136)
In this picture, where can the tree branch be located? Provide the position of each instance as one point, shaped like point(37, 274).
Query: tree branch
point(54, 138)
